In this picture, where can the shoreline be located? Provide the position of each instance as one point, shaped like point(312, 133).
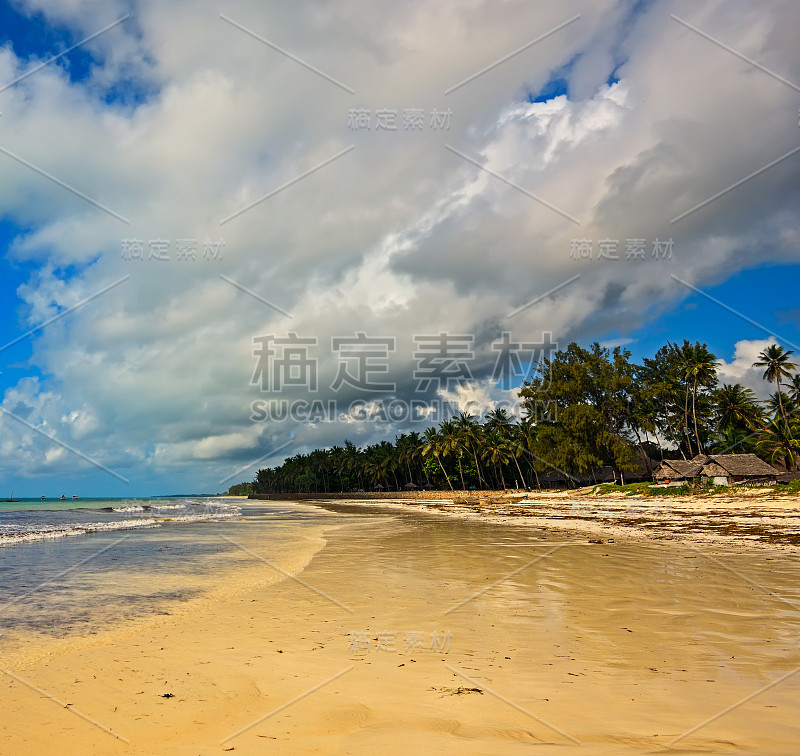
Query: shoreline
point(242, 574)
point(753, 520)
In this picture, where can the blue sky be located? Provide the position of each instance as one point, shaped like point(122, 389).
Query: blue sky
point(766, 295)
point(12, 276)
point(34, 38)
point(622, 118)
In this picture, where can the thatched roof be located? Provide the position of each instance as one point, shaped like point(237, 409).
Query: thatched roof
point(738, 465)
point(674, 466)
point(681, 468)
point(713, 470)
point(411, 486)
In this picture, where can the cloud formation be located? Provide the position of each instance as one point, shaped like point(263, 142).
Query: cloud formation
point(400, 236)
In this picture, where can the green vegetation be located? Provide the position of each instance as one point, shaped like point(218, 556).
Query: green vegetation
point(242, 489)
point(793, 487)
point(650, 489)
point(640, 489)
point(585, 409)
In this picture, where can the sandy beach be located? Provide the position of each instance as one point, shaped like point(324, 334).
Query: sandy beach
point(419, 632)
point(756, 517)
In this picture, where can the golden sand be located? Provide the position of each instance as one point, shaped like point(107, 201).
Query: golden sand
point(417, 633)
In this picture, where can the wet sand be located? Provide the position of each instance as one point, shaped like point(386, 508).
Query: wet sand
point(755, 517)
point(415, 632)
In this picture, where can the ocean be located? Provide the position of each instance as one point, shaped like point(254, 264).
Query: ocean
point(73, 572)
point(35, 520)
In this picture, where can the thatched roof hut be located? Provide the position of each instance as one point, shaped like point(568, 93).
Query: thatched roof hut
point(680, 469)
point(411, 486)
point(729, 469)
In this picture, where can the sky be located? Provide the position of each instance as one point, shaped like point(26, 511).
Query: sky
point(206, 206)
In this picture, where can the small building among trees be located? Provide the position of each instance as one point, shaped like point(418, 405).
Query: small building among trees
point(680, 469)
point(737, 469)
point(718, 469)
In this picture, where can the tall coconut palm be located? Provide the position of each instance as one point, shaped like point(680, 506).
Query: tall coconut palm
point(526, 440)
point(351, 461)
point(773, 404)
point(432, 446)
point(780, 443)
point(407, 450)
point(496, 450)
point(452, 444)
point(683, 358)
point(470, 432)
point(700, 370)
point(794, 390)
point(665, 392)
point(498, 421)
point(737, 408)
point(775, 360)
point(732, 438)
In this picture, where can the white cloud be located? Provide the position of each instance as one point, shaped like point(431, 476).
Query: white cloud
point(740, 369)
point(479, 397)
point(398, 237)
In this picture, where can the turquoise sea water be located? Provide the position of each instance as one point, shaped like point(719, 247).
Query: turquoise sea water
point(75, 569)
point(58, 504)
point(34, 520)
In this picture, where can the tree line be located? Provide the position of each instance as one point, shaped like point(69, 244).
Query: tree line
point(584, 409)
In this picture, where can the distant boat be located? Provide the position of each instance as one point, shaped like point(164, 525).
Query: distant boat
point(63, 498)
point(43, 498)
point(12, 499)
point(75, 497)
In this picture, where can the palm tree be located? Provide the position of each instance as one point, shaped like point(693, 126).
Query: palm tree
point(526, 440)
point(700, 368)
point(498, 421)
point(665, 392)
point(774, 402)
point(432, 446)
point(407, 450)
point(731, 438)
point(780, 444)
point(737, 408)
point(497, 451)
point(451, 444)
point(776, 361)
point(336, 463)
point(683, 358)
point(470, 432)
point(352, 461)
point(794, 390)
